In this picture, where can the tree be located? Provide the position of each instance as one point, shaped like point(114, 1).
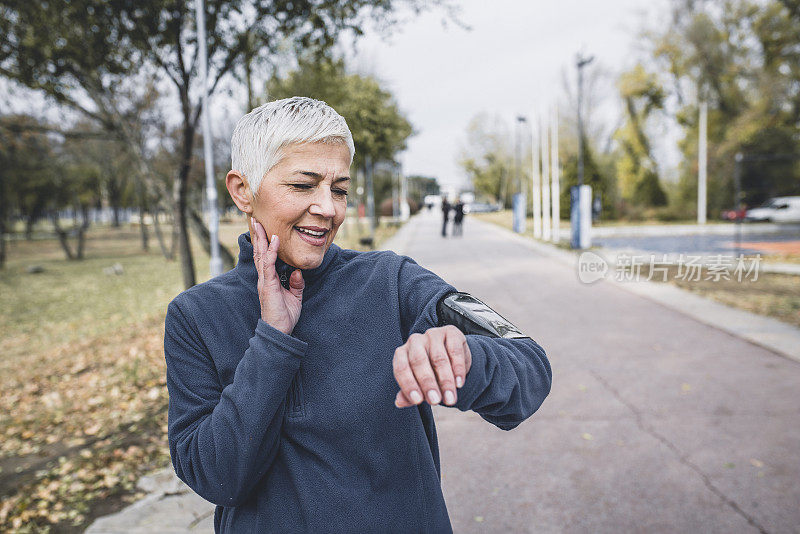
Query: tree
point(43, 173)
point(636, 170)
point(742, 58)
point(487, 159)
point(379, 129)
point(421, 186)
point(83, 52)
point(26, 170)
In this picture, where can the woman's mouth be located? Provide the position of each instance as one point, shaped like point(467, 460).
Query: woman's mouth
point(313, 235)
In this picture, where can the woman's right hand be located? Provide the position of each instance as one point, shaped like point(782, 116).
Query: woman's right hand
point(280, 308)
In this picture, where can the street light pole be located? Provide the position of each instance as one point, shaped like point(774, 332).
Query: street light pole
point(536, 185)
point(581, 62)
point(520, 121)
point(215, 266)
point(544, 130)
point(581, 195)
point(555, 184)
point(702, 164)
point(520, 205)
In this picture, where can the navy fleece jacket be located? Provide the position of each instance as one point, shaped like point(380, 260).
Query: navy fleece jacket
point(299, 433)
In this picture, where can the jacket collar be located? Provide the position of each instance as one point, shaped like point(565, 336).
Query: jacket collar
point(246, 267)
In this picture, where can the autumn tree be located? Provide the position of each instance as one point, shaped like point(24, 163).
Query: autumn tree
point(637, 171)
point(380, 130)
point(487, 158)
point(742, 58)
point(83, 52)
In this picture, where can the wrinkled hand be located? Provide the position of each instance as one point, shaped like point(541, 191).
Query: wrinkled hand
point(280, 308)
point(436, 363)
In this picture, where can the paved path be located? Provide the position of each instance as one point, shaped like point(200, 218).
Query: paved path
point(656, 422)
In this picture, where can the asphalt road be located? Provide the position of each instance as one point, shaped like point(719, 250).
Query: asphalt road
point(702, 244)
point(656, 423)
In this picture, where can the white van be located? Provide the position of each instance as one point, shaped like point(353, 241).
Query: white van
point(778, 209)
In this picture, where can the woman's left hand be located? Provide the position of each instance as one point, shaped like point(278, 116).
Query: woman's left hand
point(436, 363)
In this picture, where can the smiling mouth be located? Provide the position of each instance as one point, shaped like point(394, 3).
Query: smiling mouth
point(316, 236)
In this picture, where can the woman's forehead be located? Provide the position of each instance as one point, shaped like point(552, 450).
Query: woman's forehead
point(318, 158)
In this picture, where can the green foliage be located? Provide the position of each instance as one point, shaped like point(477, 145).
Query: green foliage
point(379, 129)
point(26, 169)
point(598, 172)
point(487, 159)
point(636, 170)
point(418, 187)
point(86, 53)
point(741, 56)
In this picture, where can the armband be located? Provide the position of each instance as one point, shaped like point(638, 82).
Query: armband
point(472, 316)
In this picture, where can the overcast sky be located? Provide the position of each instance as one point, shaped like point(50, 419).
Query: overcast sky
point(510, 62)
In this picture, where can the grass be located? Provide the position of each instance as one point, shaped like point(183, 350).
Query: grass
point(773, 295)
point(83, 415)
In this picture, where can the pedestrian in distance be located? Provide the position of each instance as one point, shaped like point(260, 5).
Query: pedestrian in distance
point(445, 216)
point(458, 218)
point(301, 382)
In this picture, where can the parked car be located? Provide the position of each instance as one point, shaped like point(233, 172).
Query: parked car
point(778, 209)
point(733, 215)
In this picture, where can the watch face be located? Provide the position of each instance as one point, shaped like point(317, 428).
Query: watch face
point(475, 311)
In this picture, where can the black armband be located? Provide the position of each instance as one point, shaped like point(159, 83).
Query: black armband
point(472, 316)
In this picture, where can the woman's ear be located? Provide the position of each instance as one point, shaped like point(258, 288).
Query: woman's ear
point(239, 190)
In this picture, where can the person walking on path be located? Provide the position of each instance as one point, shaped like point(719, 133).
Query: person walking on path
point(445, 216)
point(458, 218)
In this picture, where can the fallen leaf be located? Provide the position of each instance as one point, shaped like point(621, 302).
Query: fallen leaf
point(587, 436)
point(686, 387)
point(756, 463)
point(479, 518)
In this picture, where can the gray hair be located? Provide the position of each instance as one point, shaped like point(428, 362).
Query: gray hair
point(260, 136)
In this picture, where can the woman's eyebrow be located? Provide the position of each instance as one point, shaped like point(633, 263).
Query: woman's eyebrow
point(318, 176)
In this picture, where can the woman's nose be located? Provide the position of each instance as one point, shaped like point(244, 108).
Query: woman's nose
point(323, 204)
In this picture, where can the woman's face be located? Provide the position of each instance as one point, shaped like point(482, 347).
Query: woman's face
point(303, 200)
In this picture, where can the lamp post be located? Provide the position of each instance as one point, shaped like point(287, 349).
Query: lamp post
point(581, 195)
point(581, 62)
point(536, 189)
point(520, 204)
point(555, 184)
point(702, 164)
point(215, 266)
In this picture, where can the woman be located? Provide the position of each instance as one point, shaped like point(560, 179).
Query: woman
point(301, 381)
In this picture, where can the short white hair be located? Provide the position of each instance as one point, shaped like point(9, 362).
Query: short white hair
point(260, 136)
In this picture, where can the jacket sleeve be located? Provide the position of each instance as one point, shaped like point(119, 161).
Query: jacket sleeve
point(223, 440)
point(508, 379)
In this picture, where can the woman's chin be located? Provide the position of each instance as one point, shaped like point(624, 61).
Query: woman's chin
point(305, 261)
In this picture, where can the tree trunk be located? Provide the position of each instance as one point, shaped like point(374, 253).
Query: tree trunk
point(159, 236)
point(142, 213)
point(82, 231)
point(63, 238)
point(3, 214)
point(29, 227)
point(2, 237)
point(201, 230)
point(184, 247)
point(174, 242)
point(180, 196)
